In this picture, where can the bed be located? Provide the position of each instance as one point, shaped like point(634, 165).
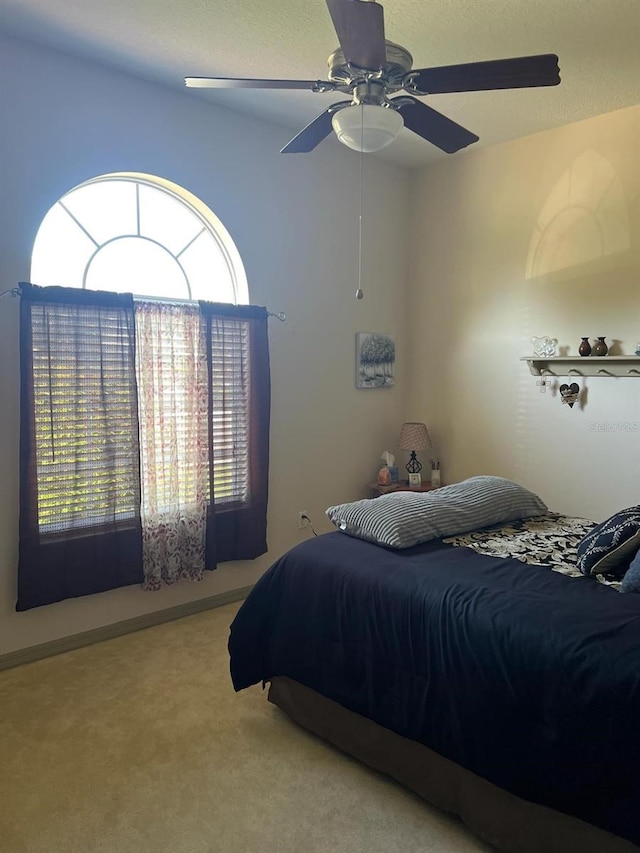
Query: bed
point(504, 689)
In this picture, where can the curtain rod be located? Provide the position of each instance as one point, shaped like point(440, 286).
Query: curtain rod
point(14, 291)
point(280, 315)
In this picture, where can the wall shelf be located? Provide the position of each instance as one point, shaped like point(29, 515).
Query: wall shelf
point(592, 365)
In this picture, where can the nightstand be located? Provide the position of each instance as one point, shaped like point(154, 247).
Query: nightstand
point(376, 489)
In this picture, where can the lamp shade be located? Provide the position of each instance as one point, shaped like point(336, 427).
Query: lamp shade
point(414, 436)
point(367, 127)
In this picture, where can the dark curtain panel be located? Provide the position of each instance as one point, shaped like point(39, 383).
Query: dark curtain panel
point(80, 530)
point(239, 413)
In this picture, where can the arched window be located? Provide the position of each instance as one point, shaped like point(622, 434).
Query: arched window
point(145, 412)
point(138, 234)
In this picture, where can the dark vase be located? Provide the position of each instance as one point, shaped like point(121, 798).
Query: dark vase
point(585, 347)
point(600, 347)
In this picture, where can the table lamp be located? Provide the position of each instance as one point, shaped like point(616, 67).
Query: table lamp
point(414, 436)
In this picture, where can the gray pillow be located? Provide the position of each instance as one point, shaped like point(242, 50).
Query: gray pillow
point(403, 519)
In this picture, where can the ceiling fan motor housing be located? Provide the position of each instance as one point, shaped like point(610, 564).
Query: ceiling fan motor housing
point(370, 92)
point(345, 75)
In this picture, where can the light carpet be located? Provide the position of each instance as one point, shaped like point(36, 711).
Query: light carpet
point(140, 745)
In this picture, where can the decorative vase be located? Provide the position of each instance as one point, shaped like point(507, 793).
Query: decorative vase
point(585, 347)
point(600, 347)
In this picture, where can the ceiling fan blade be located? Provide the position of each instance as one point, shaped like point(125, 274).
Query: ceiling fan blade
point(313, 133)
point(359, 25)
point(240, 83)
point(433, 126)
point(516, 73)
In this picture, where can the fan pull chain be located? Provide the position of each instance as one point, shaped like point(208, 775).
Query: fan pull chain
point(359, 293)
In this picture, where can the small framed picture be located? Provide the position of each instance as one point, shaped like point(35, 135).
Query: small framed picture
point(415, 479)
point(375, 360)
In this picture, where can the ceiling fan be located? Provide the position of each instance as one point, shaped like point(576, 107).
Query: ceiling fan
point(369, 68)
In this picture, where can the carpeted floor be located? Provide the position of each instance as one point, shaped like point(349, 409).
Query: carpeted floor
point(140, 745)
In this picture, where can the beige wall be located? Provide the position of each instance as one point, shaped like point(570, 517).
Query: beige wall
point(294, 220)
point(540, 236)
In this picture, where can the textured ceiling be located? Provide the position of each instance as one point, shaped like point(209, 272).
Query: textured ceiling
point(161, 40)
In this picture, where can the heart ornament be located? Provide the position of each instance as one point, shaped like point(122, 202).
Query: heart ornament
point(570, 393)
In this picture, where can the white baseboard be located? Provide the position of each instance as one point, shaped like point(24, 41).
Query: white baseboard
point(108, 632)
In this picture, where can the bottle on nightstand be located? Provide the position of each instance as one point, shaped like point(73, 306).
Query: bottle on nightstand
point(435, 474)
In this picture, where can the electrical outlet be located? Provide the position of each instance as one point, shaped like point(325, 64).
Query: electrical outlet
point(303, 519)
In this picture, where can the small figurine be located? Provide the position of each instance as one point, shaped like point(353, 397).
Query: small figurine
point(544, 347)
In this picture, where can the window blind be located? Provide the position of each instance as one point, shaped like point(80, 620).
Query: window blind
point(230, 383)
point(80, 529)
point(84, 395)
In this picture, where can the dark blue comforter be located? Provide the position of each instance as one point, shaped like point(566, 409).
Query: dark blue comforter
point(524, 676)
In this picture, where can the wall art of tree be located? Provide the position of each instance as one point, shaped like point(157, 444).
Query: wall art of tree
point(375, 360)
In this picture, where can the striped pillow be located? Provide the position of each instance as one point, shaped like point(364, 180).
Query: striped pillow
point(403, 519)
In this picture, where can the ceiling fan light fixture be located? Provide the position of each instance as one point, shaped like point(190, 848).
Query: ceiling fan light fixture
point(367, 127)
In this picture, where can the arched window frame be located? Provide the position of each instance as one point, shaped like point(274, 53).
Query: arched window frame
point(210, 223)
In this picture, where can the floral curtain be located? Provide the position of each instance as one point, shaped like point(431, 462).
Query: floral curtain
point(172, 374)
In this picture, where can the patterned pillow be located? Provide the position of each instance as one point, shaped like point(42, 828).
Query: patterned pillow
point(611, 545)
point(631, 579)
point(403, 519)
